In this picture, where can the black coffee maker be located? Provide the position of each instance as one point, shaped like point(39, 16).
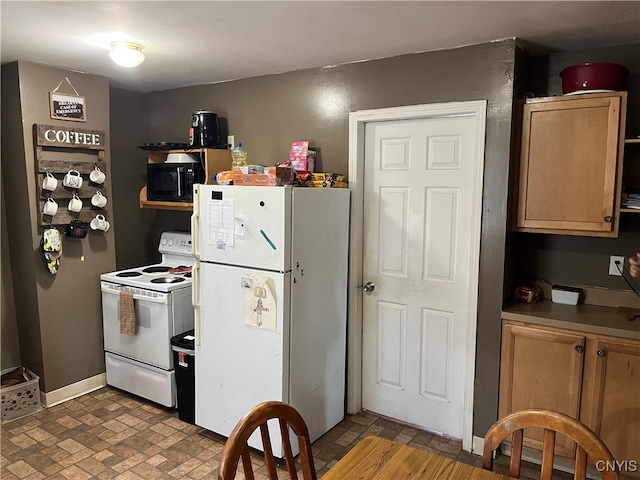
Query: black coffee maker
point(205, 130)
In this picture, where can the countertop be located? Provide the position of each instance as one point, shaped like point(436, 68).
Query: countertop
point(585, 318)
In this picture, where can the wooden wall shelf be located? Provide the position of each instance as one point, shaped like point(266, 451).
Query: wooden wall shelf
point(215, 160)
point(176, 206)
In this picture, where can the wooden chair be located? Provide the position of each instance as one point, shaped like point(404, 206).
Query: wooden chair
point(237, 446)
point(588, 443)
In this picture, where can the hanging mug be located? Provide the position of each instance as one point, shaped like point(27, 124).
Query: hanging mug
point(50, 207)
point(76, 229)
point(100, 223)
point(97, 175)
point(98, 200)
point(72, 179)
point(75, 204)
point(49, 183)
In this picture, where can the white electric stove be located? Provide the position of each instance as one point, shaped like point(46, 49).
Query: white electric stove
point(143, 363)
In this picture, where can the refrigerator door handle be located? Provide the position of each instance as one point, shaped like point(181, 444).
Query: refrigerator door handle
point(195, 228)
point(195, 300)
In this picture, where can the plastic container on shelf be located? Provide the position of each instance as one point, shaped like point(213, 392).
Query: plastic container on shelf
point(238, 156)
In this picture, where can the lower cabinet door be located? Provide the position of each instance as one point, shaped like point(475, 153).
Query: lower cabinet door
point(541, 368)
point(611, 398)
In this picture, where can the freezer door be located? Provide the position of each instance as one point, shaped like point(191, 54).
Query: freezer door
point(245, 226)
point(243, 356)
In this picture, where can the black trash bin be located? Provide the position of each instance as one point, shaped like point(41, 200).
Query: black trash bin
point(184, 362)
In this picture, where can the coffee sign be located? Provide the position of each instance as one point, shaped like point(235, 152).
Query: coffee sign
point(64, 106)
point(55, 136)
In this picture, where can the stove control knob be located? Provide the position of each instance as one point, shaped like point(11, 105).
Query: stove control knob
point(170, 241)
point(163, 241)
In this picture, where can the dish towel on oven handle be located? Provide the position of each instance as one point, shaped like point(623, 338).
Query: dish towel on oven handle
point(128, 321)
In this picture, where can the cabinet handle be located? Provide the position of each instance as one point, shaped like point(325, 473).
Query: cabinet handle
point(600, 353)
point(579, 348)
point(607, 219)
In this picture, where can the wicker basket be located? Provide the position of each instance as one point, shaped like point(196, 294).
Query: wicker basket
point(20, 400)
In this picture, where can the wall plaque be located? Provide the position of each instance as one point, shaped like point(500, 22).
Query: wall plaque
point(67, 107)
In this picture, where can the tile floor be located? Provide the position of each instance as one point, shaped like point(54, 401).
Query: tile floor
point(109, 434)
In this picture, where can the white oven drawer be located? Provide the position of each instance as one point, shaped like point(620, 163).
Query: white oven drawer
point(154, 316)
point(152, 383)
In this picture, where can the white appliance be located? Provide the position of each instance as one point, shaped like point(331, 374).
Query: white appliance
point(270, 297)
point(143, 363)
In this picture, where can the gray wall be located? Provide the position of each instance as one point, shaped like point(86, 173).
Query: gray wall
point(134, 241)
point(58, 317)
point(268, 113)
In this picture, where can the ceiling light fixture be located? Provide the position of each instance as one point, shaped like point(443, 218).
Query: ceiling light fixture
point(126, 54)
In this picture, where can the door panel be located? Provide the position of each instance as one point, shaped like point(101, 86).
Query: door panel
point(420, 182)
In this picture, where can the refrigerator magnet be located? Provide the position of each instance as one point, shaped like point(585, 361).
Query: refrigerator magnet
point(260, 305)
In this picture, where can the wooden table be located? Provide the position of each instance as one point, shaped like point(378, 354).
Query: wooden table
point(375, 458)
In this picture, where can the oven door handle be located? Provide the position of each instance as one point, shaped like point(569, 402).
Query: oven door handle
point(195, 299)
point(164, 299)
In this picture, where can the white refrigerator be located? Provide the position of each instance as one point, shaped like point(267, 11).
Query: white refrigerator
point(270, 300)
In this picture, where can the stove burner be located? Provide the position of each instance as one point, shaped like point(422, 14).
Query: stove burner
point(187, 275)
point(157, 269)
point(128, 274)
point(167, 280)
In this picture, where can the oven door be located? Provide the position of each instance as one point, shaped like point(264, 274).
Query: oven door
point(154, 316)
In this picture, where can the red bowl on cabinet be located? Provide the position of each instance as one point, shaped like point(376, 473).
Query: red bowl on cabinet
point(594, 76)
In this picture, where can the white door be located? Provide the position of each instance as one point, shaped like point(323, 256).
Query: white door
point(422, 188)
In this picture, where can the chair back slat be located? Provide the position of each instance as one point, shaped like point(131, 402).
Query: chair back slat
point(269, 460)
point(589, 445)
point(237, 447)
point(548, 448)
point(246, 463)
point(516, 454)
point(580, 467)
point(288, 452)
point(306, 452)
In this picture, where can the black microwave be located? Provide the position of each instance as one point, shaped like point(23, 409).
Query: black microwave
point(173, 182)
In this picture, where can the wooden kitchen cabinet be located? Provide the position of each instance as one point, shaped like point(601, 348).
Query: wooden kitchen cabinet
point(541, 369)
point(215, 160)
point(594, 378)
point(570, 167)
point(611, 395)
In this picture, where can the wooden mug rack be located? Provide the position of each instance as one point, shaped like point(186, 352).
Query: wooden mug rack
point(50, 138)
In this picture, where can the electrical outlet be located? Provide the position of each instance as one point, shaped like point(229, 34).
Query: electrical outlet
point(231, 140)
point(613, 268)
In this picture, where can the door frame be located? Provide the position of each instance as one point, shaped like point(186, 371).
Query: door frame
point(357, 122)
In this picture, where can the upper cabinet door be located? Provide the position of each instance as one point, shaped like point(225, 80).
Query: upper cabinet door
point(571, 164)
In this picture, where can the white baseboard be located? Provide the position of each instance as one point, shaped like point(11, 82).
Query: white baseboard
point(478, 445)
point(74, 390)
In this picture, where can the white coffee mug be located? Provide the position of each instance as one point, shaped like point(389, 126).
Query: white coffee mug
point(75, 204)
point(97, 175)
point(98, 200)
point(50, 207)
point(49, 182)
point(100, 223)
point(72, 179)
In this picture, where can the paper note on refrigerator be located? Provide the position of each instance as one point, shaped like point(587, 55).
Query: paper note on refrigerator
point(260, 303)
point(221, 223)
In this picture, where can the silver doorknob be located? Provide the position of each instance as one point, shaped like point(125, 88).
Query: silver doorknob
point(369, 287)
